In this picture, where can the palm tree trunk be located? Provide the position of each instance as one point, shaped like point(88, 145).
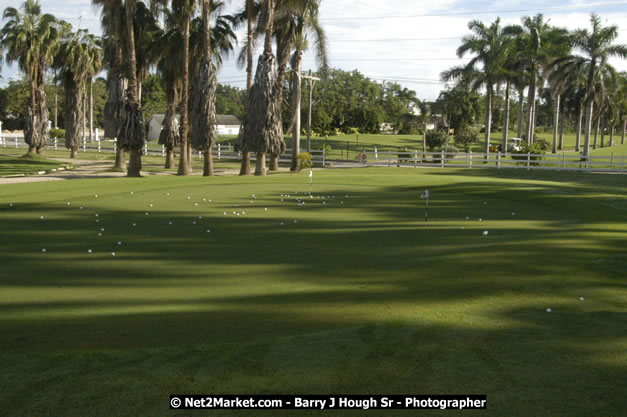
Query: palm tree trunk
point(296, 85)
point(579, 125)
point(120, 159)
point(132, 132)
point(596, 132)
point(556, 122)
point(531, 102)
point(535, 118)
point(488, 121)
point(55, 100)
point(184, 162)
point(603, 133)
point(589, 111)
point(260, 164)
point(245, 168)
point(274, 162)
point(169, 158)
point(521, 99)
point(561, 140)
point(505, 117)
point(91, 110)
point(208, 164)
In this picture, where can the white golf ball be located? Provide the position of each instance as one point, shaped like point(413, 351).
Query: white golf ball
point(208, 230)
point(146, 213)
point(119, 243)
point(10, 204)
point(513, 213)
point(243, 212)
point(42, 217)
point(102, 229)
point(81, 207)
point(225, 213)
point(97, 221)
point(88, 250)
point(548, 310)
point(196, 204)
point(96, 214)
point(467, 218)
point(151, 205)
point(43, 250)
point(134, 224)
point(112, 253)
point(265, 209)
point(485, 232)
point(99, 234)
point(580, 298)
point(96, 195)
point(480, 220)
point(199, 217)
point(169, 222)
point(167, 194)
point(68, 203)
point(281, 223)
point(194, 222)
point(188, 197)
point(131, 193)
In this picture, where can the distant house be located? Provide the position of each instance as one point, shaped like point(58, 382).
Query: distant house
point(226, 124)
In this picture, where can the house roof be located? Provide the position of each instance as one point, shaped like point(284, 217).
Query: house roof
point(221, 119)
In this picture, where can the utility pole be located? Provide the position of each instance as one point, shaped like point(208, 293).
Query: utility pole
point(311, 81)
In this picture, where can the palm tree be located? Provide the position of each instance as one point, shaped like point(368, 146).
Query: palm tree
point(31, 39)
point(78, 60)
point(204, 99)
point(172, 76)
point(117, 83)
point(537, 44)
point(305, 18)
point(597, 47)
point(489, 44)
point(263, 131)
point(184, 9)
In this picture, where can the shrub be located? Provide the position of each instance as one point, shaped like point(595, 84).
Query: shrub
point(435, 139)
point(536, 150)
point(465, 137)
point(542, 144)
point(57, 133)
point(304, 160)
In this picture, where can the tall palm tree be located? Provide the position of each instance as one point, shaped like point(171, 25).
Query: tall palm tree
point(184, 9)
point(537, 44)
point(305, 16)
point(31, 39)
point(204, 99)
point(263, 131)
point(79, 59)
point(172, 76)
point(597, 46)
point(489, 44)
point(112, 22)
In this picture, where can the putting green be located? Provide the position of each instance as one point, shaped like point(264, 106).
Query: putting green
point(350, 292)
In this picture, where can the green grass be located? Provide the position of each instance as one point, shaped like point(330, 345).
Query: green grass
point(16, 163)
point(360, 297)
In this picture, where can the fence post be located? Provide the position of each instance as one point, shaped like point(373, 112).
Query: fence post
point(324, 155)
point(498, 160)
point(528, 160)
point(84, 144)
point(470, 160)
point(55, 144)
point(15, 139)
point(98, 140)
point(415, 159)
point(376, 154)
point(442, 159)
point(162, 150)
point(389, 157)
point(611, 160)
point(115, 145)
point(219, 151)
point(623, 171)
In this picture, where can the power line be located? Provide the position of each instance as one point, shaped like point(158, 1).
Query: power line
point(476, 12)
point(393, 40)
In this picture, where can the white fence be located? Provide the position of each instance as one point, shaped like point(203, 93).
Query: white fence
point(529, 161)
point(220, 151)
point(558, 162)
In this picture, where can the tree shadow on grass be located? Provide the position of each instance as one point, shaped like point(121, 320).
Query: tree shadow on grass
point(357, 299)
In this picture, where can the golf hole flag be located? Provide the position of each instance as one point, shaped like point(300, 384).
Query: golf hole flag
point(426, 195)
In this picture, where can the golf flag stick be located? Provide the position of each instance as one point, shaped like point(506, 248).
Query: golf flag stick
point(426, 195)
point(310, 180)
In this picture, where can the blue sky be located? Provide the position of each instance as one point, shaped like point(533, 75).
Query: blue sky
point(410, 42)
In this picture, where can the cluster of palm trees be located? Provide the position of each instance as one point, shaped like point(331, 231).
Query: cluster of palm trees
point(177, 38)
point(572, 67)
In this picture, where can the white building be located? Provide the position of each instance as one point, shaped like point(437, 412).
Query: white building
point(226, 124)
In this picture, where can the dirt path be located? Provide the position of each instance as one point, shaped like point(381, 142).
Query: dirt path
point(95, 169)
